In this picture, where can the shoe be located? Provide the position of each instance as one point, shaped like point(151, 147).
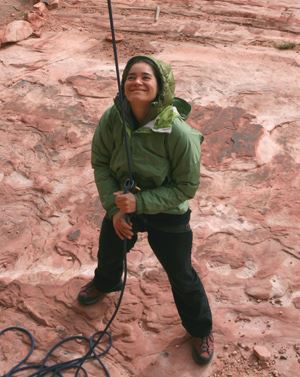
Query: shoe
point(89, 294)
point(203, 349)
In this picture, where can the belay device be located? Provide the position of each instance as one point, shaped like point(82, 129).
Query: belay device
point(44, 368)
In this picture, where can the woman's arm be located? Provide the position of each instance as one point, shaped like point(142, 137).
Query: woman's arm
point(184, 152)
point(102, 146)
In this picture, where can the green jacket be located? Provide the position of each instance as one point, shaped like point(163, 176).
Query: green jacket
point(165, 155)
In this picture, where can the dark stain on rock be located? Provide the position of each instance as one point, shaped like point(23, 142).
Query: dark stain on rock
point(73, 236)
point(229, 133)
point(260, 177)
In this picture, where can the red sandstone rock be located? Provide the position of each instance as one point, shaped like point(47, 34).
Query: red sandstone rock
point(296, 302)
point(17, 31)
point(259, 289)
point(41, 8)
point(118, 37)
point(35, 19)
point(51, 4)
point(262, 353)
point(1, 36)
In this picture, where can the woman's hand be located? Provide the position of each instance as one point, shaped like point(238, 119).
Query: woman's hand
point(122, 227)
point(125, 202)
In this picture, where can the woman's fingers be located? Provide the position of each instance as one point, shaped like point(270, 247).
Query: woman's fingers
point(126, 229)
point(125, 202)
point(122, 228)
point(120, 235)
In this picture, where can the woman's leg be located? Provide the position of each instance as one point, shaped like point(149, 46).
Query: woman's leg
point(173, 250)
point(110, 258)
point(109, 271)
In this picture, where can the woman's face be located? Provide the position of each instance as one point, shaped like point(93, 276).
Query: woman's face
point(141, 85)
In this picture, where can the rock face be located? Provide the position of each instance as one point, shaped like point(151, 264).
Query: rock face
point(237, 63)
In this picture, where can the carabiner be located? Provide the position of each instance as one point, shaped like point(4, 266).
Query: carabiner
point(129, 185)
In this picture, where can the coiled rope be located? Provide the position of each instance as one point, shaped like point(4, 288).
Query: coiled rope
point(45, 367)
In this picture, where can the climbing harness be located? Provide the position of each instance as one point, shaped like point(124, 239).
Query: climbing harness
point(44, 368)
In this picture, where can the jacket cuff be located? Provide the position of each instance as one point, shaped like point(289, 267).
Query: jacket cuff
point(139, 203)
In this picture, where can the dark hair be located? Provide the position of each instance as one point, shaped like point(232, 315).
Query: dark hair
point(145, 59)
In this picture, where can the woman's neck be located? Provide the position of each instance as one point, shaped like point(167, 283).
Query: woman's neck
point(140, 111)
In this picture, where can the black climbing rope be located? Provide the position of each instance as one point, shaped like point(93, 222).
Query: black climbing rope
point(103, 338)
point(129, 184)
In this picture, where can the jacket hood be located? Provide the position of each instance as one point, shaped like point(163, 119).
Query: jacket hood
point(166, 83)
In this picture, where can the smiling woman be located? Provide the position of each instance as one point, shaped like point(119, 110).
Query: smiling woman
point(165, 159)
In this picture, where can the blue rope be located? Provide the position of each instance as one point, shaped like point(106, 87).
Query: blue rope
point(45, 367)
point(57, 369)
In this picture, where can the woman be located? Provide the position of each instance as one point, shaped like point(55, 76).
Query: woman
point(165, 154)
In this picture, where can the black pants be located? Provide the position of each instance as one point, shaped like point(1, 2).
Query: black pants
point(173, 250)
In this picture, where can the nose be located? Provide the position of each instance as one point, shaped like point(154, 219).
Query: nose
point(138, 81)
